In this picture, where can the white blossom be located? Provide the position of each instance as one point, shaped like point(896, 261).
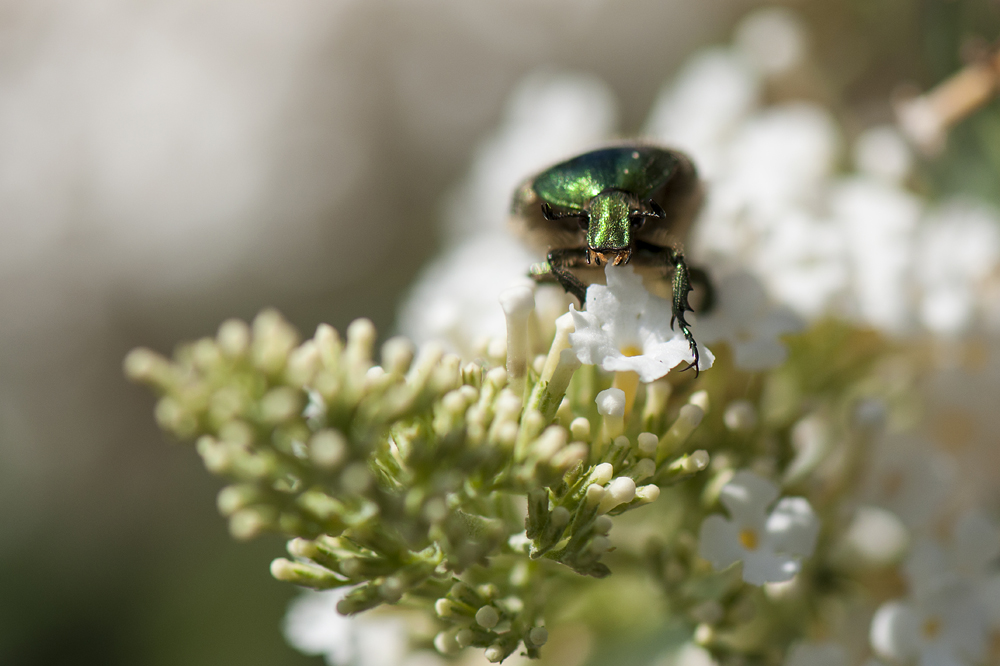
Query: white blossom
point(550, 117)
point(877, 536)
point(803, 260)
point(773, 39)
point(455, 299)
point(744, 318)
point(882, 152)
point(698, 112)
point(947, 628)
point(958, 246)
point(878, 220)
point(908, 477)
point(770, 545)
point(626, 328)
point(780, 158)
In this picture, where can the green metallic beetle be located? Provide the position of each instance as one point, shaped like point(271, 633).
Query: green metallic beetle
point(627, 203)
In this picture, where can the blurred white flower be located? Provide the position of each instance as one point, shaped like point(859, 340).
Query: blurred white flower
point(771, 546)
point(958, 246)
point(625, 328)
point(908, 477)
point(961, 419)
point(802, 259)
point(455, 299)
point(550, 117)
point(854, 246)
point(745, 319)
point(966, 557)
point(773, 39)
point(946, 628)
point(878, 220)
point(878, 536)
point(883, 153)
point(780, 157)
point(698, 111)
point(313, 626)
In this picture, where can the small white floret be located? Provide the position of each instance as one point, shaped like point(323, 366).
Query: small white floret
point(611, 402)
point(771, 546)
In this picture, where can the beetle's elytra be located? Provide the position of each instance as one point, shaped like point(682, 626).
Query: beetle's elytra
point(626, 203)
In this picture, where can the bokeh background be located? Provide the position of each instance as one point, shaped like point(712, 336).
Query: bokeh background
point(166, 164)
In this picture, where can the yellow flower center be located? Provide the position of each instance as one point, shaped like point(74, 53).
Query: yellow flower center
point(749, 539)
point(931, 628)
point(631, 350)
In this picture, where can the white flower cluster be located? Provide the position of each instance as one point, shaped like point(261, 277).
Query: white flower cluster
point(859, 245)
point(954, 603)
point(929, 485)
point(788, 239)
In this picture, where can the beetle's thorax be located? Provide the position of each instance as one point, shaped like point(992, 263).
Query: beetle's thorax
point(608, 233)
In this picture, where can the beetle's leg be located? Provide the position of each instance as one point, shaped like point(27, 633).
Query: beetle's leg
point(652, 255)
point(700, 277)
point(681, 289)
point(557, 268)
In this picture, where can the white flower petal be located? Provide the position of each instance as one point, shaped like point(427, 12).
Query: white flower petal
point(623, 318)
point(977, 542)
point(894, 632)
point(654, 362)
point(792, 527)
point(940, 654)
point(718, 542)
point(761, 567)
point(312, 625)
point(747, 498)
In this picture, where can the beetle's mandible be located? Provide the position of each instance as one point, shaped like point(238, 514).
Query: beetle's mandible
point(627, 203)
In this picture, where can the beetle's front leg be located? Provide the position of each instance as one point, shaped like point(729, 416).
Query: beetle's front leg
point(557, 268)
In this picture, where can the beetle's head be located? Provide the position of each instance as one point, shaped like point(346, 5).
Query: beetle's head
point(613, 217)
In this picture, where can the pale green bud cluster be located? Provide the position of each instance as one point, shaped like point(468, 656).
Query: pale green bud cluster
point(402, 480)
point(478, 492)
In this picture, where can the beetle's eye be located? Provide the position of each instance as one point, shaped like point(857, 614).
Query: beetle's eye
point(584, 222)
point(636, 222)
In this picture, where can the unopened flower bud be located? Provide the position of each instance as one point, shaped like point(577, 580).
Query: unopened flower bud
point(740, 416)
point(602, 474)
point(619, 491)
point(517, 304)
point(580, 429)
point(328, 449)
point(595, 494)
point(487, 617)
point(233, 338)
point(538, 636)
point(647, 442)
point(397, 355)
